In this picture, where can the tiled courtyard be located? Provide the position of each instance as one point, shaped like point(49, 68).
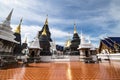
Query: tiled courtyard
point(62, 71)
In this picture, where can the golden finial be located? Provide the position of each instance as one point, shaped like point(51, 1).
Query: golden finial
point(44, 31)
point(46, 22)
point(18, 29)
point(75, 31)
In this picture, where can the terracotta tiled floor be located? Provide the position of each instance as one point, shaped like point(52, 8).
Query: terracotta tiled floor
point(62, 71)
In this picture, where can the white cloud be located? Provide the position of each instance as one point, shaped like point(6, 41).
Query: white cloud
point(36, 10)
point(58, 33)
point(114, 12)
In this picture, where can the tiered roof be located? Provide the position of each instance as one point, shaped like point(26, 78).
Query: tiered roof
point(6, 30)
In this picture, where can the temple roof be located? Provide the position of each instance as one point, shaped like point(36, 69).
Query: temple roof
point(7, 39)
point(6, 32)
point(111, 42)
point(35, 44)
point(85, 44)
point(107, 43)
point(115, 39)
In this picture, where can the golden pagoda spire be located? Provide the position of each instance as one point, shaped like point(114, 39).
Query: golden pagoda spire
point(68, 42)
point(44, 32)
point(46, 22)
point(75, 31)
point(18, 29)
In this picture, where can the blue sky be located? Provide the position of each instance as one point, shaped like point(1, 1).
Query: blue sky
point(96, 18)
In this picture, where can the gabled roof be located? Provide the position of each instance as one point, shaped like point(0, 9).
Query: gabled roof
point(107, 43)
point(111, 41)
point(35, 44)
point(115, 39)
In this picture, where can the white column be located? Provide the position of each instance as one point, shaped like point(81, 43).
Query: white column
point(82, 55)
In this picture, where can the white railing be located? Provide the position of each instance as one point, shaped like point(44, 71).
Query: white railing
point(114, 56)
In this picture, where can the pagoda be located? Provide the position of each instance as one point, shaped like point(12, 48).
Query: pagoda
point(75, 42)
point(45, 39)
point(7, 42)
point(47, 30)
point(34, 48)
point(17, 33)
point(86, 48)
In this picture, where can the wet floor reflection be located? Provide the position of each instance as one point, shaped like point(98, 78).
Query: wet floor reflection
point(69, 75)
point(62, 71)
point(18, 75)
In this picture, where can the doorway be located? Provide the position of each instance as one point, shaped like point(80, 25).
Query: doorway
point(86, 53)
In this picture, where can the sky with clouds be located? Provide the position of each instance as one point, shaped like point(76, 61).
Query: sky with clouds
point(96, 18)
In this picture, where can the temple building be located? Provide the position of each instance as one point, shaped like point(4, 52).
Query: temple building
point(7, 42)
point(109, 45)
point(47, 30)
point(75, 42)
point(34, 48)
point(17, 33)
point(86, 48)
point(45, 39)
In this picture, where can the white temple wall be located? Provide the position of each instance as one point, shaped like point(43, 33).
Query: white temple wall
point(82, 52)
point(114, 56)
point(74, 58)
point(46, 58)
